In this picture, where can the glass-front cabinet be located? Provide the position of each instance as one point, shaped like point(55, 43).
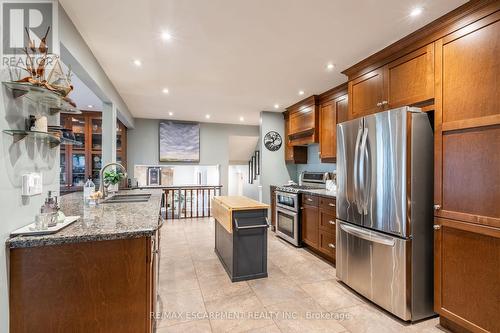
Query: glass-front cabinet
point(77, 163)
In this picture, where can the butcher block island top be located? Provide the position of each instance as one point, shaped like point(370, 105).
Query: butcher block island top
point(223, 206)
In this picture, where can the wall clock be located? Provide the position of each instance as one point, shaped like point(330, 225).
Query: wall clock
point(272, 141)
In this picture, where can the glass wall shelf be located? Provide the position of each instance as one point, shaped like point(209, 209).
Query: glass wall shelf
point(50, 138)
point(38, 94)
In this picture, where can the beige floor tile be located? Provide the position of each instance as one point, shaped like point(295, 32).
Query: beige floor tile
point(182, 306)
point(367, 319)
point(177, 284)
point(330, 295)
point(220, 285)
point(246, 306)
point(306, 272)
point(208, 267)
point(271, 291)
point(199, 326)
point(304, 316)
point(268, 329)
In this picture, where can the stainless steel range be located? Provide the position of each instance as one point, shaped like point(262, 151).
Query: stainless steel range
point(288, 204)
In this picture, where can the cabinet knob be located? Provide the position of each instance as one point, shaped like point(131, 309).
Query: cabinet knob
point(385, 102)
point(379, 104)
point(309, 199)
point(331, 245)
point(437, 207)
point(331, 204)
point(331, 222)
point(436, 226)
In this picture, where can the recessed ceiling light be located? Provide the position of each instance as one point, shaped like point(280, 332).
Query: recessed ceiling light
point(330, 66)
point(90, 106)
point(165, 90)
point(416, 11)
point(207, 116)
point(301, 92)
point(276, 106)
point(170, 113)
point(165, 35)
point(242, 119)
point(137, 62)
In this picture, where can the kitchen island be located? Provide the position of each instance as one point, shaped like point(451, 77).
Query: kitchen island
point(241, 236)
point(97, 275)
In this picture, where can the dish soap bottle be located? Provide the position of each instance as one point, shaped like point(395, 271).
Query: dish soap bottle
point(88, 190)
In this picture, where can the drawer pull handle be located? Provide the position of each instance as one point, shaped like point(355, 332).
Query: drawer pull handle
point(331, 245)
point(309, 199)
point(436, 226)
point(331, 222)
point(331, 204)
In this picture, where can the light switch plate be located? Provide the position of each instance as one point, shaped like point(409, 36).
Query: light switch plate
point(32, 184)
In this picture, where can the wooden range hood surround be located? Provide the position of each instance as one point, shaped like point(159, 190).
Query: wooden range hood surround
point(303, 122)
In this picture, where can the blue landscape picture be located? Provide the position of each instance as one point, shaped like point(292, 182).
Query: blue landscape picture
point(179, 141)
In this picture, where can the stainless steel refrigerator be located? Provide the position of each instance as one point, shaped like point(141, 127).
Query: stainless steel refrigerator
point(384, 210)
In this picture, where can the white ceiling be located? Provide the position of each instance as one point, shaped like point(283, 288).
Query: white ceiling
point(235, 58)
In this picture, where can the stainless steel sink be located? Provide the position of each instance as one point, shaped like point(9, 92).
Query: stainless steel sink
point(120, 198)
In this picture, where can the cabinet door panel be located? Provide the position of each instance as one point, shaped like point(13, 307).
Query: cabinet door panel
point(310, 225)
point(327, 243)
point(471, 73)
point(410, 79)
point(471, 171)
point(342, 109)
point(467, 267)
point(365, 92)
point(328, 129)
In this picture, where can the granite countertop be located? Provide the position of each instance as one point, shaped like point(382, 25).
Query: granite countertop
point(103, 222)
point(321, 192)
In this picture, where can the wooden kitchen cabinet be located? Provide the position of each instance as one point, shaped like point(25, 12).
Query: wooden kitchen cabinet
point(310, 225)
point(409, 80)
point(467, 177)
point(467, 269)
point(366, 93)
point(318, 225)
point(293, 154)
point(303, 122)
point(95, 286)
point(333, 110)
point(467, 117)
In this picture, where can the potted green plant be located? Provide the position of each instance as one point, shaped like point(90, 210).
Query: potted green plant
point(111, 179)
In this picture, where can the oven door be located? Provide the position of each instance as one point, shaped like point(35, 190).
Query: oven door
point(287, 225)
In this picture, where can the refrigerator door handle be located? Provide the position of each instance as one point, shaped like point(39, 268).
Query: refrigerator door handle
point(364, 153)
point(356, 171)
point(368, 235)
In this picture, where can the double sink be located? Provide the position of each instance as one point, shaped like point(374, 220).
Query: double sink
point(123, 198)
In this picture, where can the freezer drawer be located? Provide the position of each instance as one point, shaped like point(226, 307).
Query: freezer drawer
point(374, 264)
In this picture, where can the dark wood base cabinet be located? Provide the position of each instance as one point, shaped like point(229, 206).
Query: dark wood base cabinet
point(100, 286)
point(467, 267)
point(318, 225)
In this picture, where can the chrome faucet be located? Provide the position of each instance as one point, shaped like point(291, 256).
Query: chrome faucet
point(102, 188)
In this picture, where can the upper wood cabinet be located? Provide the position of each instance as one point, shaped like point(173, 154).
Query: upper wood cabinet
point(408, 80)
point(333, 110)
point(366, 94)
point(293, 154)
point(467, 117)
point(303, 122)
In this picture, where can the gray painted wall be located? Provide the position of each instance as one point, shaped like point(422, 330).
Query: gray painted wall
point(274, 170)
point(314, 162)
point(143, 144)
point(17, 159)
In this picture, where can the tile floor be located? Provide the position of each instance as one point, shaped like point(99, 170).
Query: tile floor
point(301, 293)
